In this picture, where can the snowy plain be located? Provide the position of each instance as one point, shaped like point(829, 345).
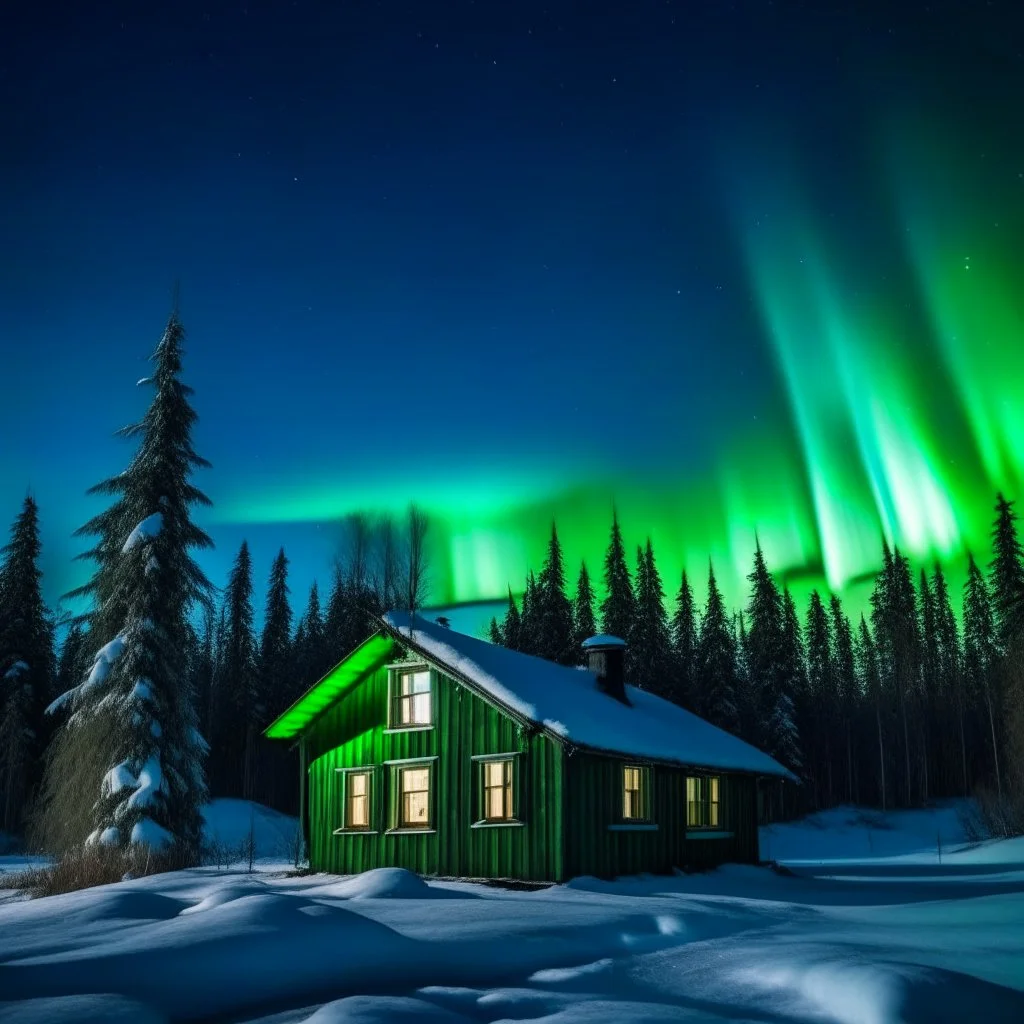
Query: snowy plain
point(874, 919)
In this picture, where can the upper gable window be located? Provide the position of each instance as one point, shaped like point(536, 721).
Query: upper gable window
point(412, 701)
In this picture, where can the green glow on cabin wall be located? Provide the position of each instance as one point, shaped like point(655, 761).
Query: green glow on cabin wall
point(901, 414)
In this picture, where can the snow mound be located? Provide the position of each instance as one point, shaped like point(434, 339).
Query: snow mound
point(83, 1009)
point(227, 822)
point(385, 1010)
point(390, 884)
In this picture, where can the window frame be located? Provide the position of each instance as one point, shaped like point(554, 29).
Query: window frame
point(370, 771)
point(708, 800)
point(395, 696)
point(644, 815)
point(396, 795)
point(515, 785)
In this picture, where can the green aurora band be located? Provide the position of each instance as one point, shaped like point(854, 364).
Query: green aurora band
point(904, 417)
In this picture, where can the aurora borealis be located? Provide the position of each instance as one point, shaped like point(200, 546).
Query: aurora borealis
point(737, 269)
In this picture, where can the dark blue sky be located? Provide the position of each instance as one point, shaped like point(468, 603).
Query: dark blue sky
point(421, 239)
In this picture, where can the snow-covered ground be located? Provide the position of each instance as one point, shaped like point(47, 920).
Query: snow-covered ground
point(863, 929)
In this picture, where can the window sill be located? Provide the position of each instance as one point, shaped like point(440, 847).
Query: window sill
point(639, 826)
point(411, 832)
point(508, 823)
point(356, 832)
point(408, 728)
point(708, 833)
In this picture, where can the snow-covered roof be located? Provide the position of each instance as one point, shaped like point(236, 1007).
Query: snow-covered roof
point(567, 703)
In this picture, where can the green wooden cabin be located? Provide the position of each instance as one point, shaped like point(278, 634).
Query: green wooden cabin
point(434, 751)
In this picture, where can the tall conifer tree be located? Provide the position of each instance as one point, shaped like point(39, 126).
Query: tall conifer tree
point(684, 641)
point(981, 658)
point(27, 666)
point(950, 668)
point(1007, 575)
point(1007, 585)
point(512, 626)
point(870, 682)
point(529, 619)
point(783, 734)
point(241, 713)
point(555, 637)
point(132, 738)
point(715, 694)
point(764, 642)
point(847, 690)
point(275, 652)
point(820, 704)
point(618, 608)
point(649, 650)
point(583, 622)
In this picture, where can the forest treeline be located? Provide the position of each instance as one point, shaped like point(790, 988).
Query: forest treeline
point(158, 694)
point(906, 704)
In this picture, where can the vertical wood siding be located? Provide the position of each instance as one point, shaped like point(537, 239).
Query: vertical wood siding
point(594, 789)
point(352, 734)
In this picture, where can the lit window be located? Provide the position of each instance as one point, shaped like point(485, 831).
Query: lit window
point(497, 790)
point(357, 800)
point(414, 805)
point(634, 793)
point(702, 801)
point(411, 700)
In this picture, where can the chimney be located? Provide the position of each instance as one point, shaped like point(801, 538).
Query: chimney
point(606, 656)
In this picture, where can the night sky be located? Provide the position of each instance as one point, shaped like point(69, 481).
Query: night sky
point(733, 266)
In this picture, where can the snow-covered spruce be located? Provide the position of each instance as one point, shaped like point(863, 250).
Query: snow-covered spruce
point(148, 778)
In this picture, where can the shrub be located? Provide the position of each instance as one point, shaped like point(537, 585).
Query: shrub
point(85, 867)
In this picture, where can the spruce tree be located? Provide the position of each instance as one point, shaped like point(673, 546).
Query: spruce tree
point(555, 637)
point(649, 649)
point(26, 666)
point(748, 711)
point(74, 652)
point(715, 693)
point(847, 690)
point(494, 633)
point(618, 608)
point(337, 619)
point(512, 626)
point(311, 646)
point(132, 738)
point(782, 732)
point(684, 642)
point(820, 718)
point(276, 671)
point(275, 652)
point(897, 645)
point(529, 619)
point(981, 658)
point(764, 644)
point(241, 713)
point(1007, 585)
point(950, 668)
point(583, 622)
point(931, 699)
point(870, 684)
point(1007, 575)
